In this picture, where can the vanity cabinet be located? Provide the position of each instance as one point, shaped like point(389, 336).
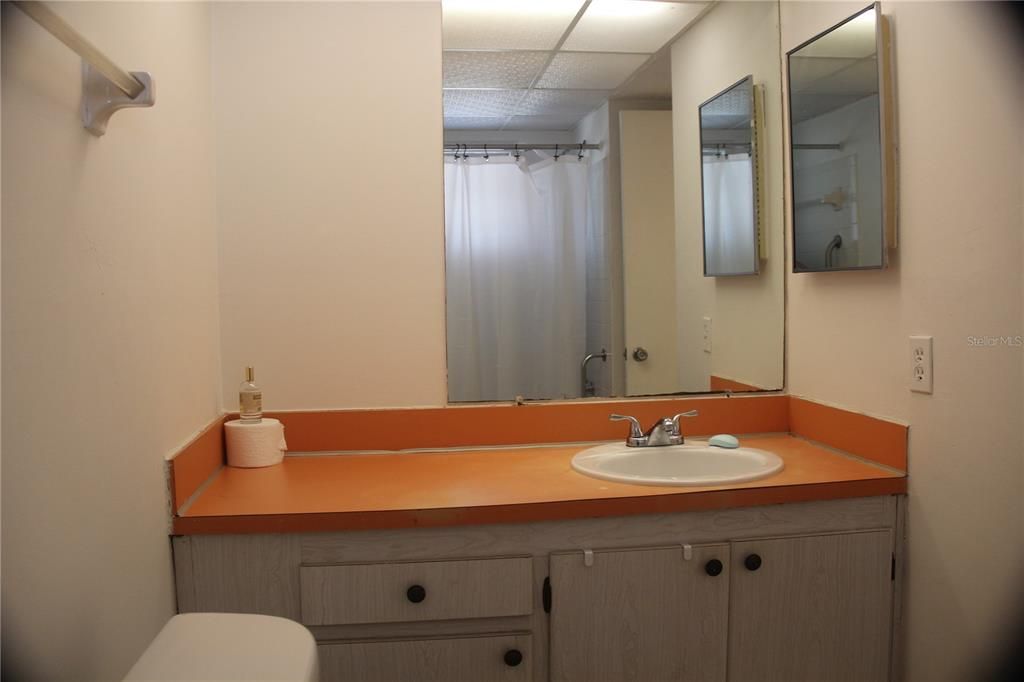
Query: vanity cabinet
point(639, 614)
point(800, 591)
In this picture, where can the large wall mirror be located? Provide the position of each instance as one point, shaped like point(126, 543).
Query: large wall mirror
point(841, 148)
point(574, 219)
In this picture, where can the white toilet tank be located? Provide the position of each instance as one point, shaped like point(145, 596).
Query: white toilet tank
point(229, 646)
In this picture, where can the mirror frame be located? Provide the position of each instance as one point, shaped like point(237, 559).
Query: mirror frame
point(754, 180)
point(887, 138)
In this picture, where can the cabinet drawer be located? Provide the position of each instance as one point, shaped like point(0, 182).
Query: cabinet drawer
point(428, 590)
point(468, 659)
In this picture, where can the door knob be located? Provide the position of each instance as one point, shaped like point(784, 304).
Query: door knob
point(752, 562)
point(640, 354)
point(513, 657)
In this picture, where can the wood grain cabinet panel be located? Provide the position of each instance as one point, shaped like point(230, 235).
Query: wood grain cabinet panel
point(642, 615)
point(816, 608)
point(467, 659)
point(416, 591)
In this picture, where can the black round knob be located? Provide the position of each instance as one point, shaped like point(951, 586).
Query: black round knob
point(416, 594)
point(513, 657)
point(713, 567)
point(752, 562)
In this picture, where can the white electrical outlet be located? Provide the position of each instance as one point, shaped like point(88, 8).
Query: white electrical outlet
point(707, 334)
point(921, 364)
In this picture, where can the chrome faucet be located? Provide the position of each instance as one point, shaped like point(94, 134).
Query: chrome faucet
point(665, 431)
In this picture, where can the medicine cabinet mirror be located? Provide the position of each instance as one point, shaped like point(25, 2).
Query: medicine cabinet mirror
point(729, 181)
point(572, 189)
point(841, 147)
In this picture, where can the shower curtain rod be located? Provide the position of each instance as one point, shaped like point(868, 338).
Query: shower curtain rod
point(501, 147)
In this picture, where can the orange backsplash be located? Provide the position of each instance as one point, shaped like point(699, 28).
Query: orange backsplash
point(197, 461)
point(716, 383)
point(872, 438)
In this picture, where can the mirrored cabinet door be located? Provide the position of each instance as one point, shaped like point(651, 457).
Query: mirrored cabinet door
point(841, 148)
point(729, 181)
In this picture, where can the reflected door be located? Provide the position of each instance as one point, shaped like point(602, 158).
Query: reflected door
point(648, 245)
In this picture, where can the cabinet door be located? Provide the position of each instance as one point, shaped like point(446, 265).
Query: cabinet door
point(640, 614)
point(811, 608)
point(498, 658)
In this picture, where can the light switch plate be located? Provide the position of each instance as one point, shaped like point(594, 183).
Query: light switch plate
point(707, 334)
point(921, 364)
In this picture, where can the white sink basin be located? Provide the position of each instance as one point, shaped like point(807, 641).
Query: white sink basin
point(693, 463)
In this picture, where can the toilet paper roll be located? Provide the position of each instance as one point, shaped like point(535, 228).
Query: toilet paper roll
point(259, 444)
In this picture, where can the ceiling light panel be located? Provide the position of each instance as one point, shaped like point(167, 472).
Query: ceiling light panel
point(630, 25)
point(559, 102)
point(482, 69)
point(590, 70)
point(506, 24)
point(464, 103)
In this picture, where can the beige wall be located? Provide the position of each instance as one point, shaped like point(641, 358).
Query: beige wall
point(329, 182)
point(957, 274)
point(109, 333)
point(731, 41)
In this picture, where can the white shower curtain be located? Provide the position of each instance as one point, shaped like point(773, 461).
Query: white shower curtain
point(516, 281)
point(729, 215)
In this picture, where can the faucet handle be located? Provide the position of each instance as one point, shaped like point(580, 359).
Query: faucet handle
point(636, 433)
point(675, 419)
point(675, 422)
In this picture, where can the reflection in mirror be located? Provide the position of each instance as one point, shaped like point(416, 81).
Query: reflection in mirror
point(728, 177)
point(839, 192)
point(569, 220)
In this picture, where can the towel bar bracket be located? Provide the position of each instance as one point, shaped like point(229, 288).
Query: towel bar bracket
point(101, 98)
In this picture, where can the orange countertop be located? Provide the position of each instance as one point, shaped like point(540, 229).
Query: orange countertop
point(508, 485)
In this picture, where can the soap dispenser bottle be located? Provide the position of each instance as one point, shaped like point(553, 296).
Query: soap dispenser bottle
point(250, 399)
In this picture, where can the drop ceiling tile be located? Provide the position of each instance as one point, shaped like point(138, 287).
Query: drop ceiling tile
point(590, 70)
point(732, 103)
point(462, 103)
point(559, 102)
point(484, 69)
point(474, 122)
point(506, 24)
point(546, 122)
point(630, 25)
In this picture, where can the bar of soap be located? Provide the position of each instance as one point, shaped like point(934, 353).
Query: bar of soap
point(724, 440)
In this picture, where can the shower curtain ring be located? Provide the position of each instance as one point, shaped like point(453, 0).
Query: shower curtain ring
point(516, 151)
point(486, 155)
point(580, 155)
point(556, 152)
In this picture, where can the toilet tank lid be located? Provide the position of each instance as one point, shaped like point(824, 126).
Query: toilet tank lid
point(228, 646)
